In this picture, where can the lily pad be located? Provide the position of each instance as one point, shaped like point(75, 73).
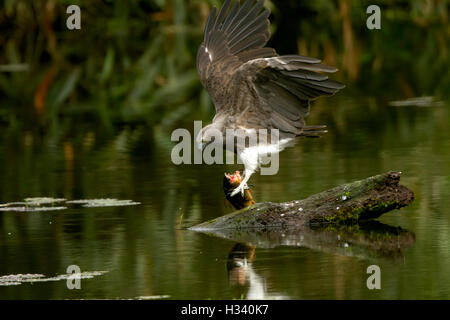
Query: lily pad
point(30, 209)
point(33, 205)
point(42, 201)
point(17, 279)
point(46, 204)
point(104, 202)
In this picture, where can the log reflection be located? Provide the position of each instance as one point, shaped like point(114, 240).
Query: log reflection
point(364, 240)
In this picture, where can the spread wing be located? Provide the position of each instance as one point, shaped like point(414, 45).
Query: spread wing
point(251, 84)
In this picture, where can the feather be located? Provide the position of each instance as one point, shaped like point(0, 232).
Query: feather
point(254, 41)
point(282, 101)
point(242, 11)
point(230, 16)
point(259, 25)
point(305, 74)
point(314, 67)
point(328, 86)
point(283, 124)
point(247, 19)
point(298, 58)
point(253, 54)
point(221, 15)
point(209, 24)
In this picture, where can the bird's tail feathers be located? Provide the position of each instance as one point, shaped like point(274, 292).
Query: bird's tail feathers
point(313, 131)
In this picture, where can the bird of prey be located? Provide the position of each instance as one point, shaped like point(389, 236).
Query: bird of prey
point(252, 87)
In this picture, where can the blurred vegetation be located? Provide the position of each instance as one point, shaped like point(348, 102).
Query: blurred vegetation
point(134, 61)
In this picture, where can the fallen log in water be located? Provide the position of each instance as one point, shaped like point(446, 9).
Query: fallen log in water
point(348, 203)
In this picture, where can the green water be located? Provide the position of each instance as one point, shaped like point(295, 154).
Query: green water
point(146, 249)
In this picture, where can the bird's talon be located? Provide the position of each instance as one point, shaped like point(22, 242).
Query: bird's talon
point(240, 188)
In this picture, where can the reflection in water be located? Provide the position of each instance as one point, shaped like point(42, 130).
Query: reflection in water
point(363, 240)
point(237, 264)
point(242, 276)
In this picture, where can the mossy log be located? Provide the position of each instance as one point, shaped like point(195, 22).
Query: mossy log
point(349, 203)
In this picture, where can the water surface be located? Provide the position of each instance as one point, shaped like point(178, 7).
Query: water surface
point(146, 249)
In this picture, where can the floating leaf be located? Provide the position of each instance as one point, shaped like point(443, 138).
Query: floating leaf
point(104, 202)
point(34, 204)
point(37, 201)
point(30, 209)
point(17, 279)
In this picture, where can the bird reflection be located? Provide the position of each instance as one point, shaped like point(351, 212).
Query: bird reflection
point(239, 262)
point(242, 277)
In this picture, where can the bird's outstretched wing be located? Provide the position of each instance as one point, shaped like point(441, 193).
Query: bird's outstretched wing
point(251, 84)
point(232, 37)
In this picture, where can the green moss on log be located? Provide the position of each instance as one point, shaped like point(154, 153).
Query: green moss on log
point(350, 203)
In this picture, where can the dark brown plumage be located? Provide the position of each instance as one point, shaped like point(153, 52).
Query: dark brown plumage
point(252, 87)
point(251, 84)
